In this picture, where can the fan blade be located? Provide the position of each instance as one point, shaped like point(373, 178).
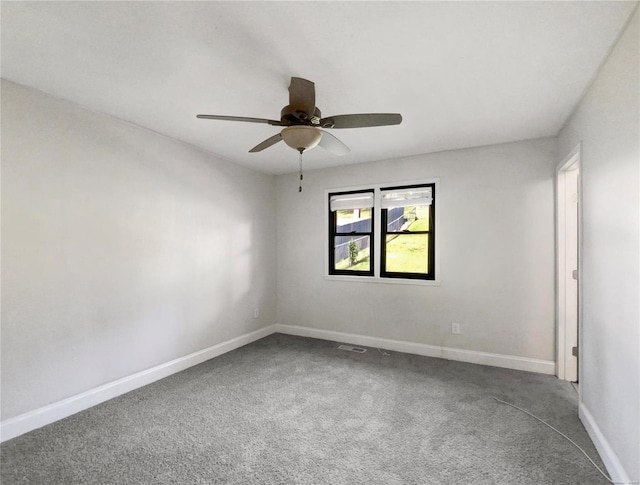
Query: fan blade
point(361, 120)
point(302, 96)
point(267, 143)
point(332, 144)
point(240, 118)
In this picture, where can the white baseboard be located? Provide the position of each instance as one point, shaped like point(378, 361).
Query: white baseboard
point(609, 457)
point(470, 356)
point(24, 423)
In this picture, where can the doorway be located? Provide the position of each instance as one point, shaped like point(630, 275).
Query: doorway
point(568, 216)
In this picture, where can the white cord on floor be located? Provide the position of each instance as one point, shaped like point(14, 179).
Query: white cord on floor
point(561, 434)
point(381, 351)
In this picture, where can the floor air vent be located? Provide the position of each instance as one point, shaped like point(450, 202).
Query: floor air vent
point(350, 348)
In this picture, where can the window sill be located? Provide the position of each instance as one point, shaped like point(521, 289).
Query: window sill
point(377, 279)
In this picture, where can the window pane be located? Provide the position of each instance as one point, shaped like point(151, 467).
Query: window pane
point(353, 220)
point(352, 253)
point(407, 253)
point(409, 218)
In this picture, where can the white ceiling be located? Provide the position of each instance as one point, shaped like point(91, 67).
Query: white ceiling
point(461, 73)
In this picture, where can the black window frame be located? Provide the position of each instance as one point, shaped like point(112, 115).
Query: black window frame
point(431, 254)
point(333, 234)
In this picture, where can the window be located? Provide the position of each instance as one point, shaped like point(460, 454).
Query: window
point(351, 233)
point(406, 238)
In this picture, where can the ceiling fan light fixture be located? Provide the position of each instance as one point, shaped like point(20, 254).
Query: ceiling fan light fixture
point(301, 138)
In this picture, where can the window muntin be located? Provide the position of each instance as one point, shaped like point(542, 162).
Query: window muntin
point(351, 233)
point(407, 232)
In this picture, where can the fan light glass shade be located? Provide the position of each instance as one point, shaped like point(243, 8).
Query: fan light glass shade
point(301, 137)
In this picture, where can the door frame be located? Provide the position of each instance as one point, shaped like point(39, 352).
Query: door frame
point(573, 159)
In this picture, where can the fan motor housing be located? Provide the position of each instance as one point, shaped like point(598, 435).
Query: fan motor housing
point(296, 117)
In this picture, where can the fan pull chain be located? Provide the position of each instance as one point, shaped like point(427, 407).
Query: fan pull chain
point(300, 186)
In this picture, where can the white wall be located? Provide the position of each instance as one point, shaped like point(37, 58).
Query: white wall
point(121, 250)
point(496, 230)
point(606, 122)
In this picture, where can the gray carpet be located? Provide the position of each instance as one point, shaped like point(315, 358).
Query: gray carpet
point(292, 410)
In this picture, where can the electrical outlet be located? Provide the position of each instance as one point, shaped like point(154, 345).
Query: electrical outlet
point(455, 328)
point(256, 312)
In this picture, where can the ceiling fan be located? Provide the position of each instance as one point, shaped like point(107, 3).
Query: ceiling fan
point(303, 122)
